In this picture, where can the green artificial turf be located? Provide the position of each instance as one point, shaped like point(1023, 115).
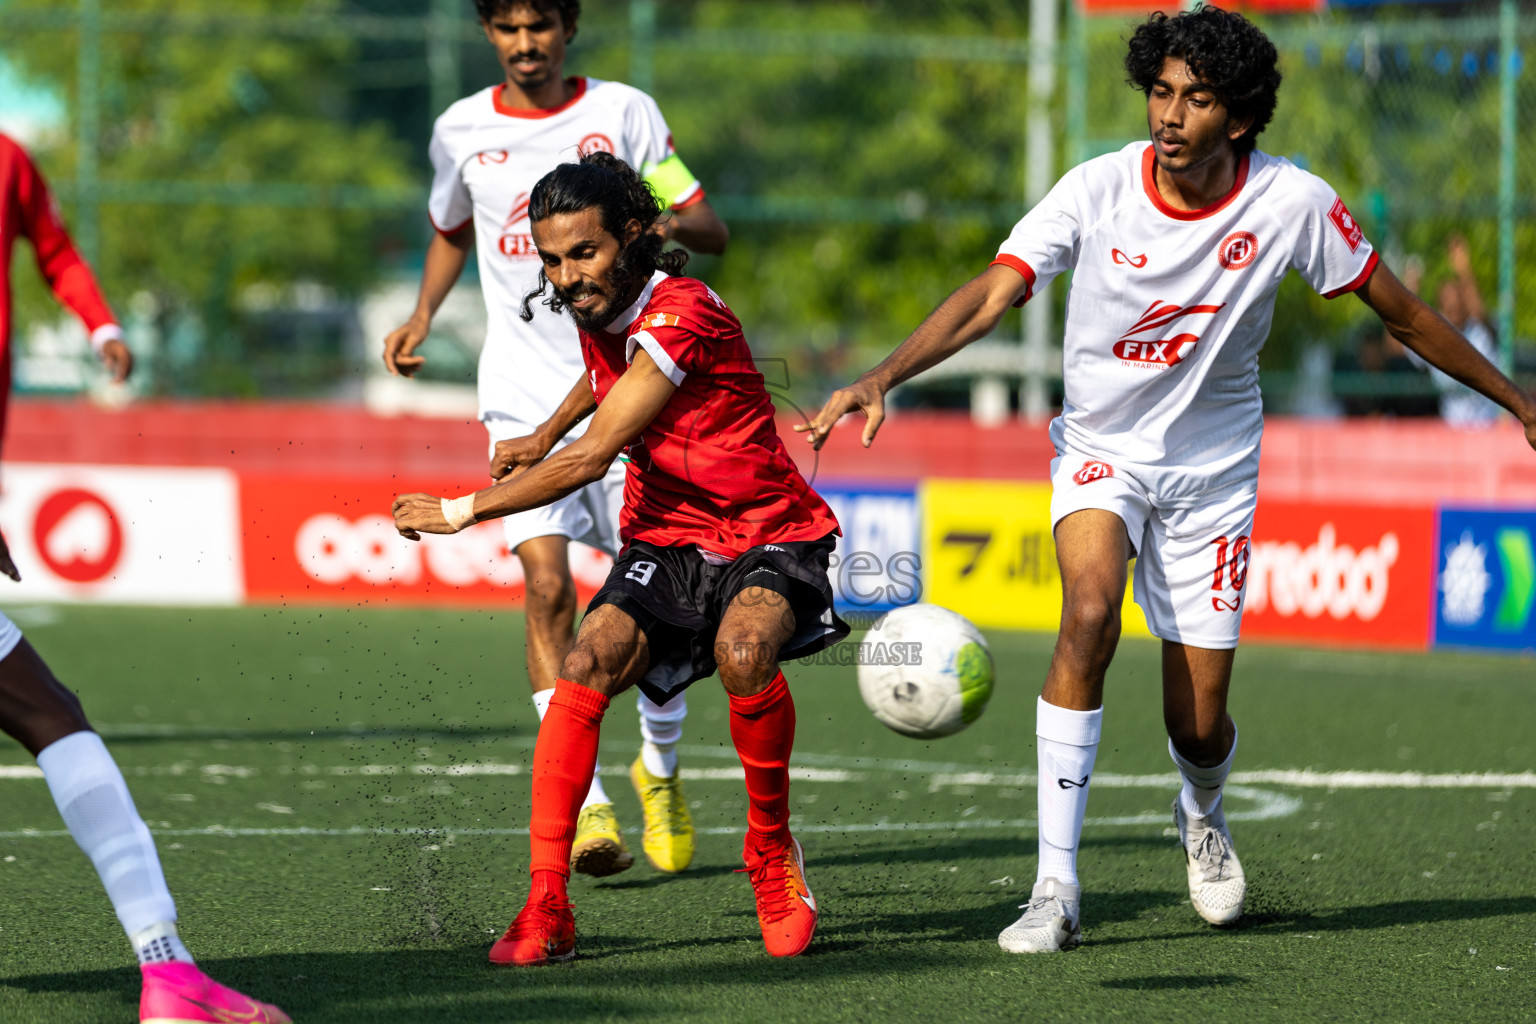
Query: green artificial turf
point(1369, 904)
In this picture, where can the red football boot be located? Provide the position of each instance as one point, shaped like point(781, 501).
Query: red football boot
point(543, 933)
point(786, 910)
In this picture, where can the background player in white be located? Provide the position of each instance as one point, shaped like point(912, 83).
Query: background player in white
point(488, 151)
point(1177, 248)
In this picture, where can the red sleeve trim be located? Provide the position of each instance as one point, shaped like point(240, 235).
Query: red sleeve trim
point(449, 231)
point(693, 200)
point(1357, 283)
point(1023, 269)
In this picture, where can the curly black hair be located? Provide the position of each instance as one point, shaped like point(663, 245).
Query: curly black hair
point(1223, 49)
point(603, 180)
point(569, 10)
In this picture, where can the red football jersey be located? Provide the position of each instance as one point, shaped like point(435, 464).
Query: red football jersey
point(710, 469)
point(26, 209)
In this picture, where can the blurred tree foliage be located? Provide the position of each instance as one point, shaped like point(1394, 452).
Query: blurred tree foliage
point(226, 109)
point(860, 188)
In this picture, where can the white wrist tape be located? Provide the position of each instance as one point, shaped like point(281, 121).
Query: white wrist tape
point(460, 512)
point(103, 334)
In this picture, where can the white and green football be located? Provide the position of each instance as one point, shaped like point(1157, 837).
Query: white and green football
point(925, 671)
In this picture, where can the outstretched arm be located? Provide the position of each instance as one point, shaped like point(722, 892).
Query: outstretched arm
point(516, 454)
point(446, 256)
point(971, 312)
point(634, 401)
point(698, 227)
point(1426, 332)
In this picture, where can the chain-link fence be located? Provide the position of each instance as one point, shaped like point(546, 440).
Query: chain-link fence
point(249, 174)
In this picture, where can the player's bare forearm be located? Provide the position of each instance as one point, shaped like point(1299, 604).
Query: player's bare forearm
point(446, 256)
point(632, 403)
point(972, 312)
point(699, 228)
point(445, 259)
point(1428, 333)
point(516, 454)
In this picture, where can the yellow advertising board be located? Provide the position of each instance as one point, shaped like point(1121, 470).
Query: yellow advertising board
point(988, 554)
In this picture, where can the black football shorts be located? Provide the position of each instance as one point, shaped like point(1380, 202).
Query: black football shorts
point(678, 600)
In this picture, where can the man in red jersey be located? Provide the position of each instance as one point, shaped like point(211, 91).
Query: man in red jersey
point(726, 546)
point(43, 716)
point(28, 210)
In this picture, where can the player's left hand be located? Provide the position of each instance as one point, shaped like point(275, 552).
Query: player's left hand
point(7, 565)
point(416, 514)
point(117, 359)
point(862, 394)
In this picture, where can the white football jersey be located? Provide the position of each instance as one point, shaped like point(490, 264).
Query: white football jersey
point(486, 158)
point(1168, 309)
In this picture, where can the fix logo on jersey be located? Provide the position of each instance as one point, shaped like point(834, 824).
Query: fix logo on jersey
point(1340, 216)
point(516, 244)
point(1135, 347)
point(1136, 261)
point(1237, 250)
point(659, 320)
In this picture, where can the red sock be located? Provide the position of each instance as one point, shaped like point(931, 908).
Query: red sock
point(763, 729)
point(563, 761)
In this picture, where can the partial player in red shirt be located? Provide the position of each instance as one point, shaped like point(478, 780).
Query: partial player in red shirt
point(726, 546)
point(27, 210)
point(42, 715)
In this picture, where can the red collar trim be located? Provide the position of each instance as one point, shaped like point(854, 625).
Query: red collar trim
point(581, 90)
point(1149, 185)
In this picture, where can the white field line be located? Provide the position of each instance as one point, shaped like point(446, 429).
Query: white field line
point(1301, 779)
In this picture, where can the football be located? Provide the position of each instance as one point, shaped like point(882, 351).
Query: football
point(925, 671)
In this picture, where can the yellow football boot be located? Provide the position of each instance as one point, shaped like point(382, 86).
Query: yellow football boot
point(599, 849)
point(669, 835)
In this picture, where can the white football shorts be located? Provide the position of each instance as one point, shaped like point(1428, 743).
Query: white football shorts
point(1191, 563)
point(10, 636)
point(590, 515)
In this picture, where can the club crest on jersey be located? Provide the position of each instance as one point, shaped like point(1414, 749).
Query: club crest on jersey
point(594, 143)
point(1340, 216)
point(1092, 471)
point(1141, 345)
point(658, 320)
point(1136, 261)
point(1237, 250)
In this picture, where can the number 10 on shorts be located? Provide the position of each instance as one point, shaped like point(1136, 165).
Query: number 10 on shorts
point(1232, 557)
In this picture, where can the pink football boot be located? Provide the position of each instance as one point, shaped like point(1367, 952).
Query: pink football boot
point(179, 993)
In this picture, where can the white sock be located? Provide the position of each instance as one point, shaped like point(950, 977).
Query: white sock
point(661, 726)
point(94, 801)
point(1067, 742)
point(1202, 786)
point(595, 794)
point(159, 944)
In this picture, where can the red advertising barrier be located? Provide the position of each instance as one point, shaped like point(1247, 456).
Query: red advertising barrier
point(333, 541)
point(1345, 574)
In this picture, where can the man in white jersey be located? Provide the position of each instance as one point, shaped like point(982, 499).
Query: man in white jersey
point(488, 151)
point(1177, 247)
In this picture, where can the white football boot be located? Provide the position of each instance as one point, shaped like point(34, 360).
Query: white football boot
point(1050, 922)
point(1216, 884)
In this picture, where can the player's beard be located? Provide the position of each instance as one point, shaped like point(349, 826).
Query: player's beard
point(1197, 151)
point(595, 318)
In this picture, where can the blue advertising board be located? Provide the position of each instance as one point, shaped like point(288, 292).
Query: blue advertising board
point(1485, 579)
point(878, 563)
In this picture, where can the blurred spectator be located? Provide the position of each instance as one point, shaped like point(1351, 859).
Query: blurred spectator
point(1460, 302)
point(1380, 379)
